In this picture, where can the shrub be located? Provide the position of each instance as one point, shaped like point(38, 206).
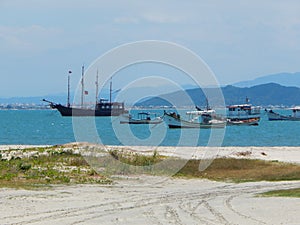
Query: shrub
point(24, 166)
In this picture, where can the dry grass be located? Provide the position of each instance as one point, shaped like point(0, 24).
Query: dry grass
point(242, 170)
point(222, 169)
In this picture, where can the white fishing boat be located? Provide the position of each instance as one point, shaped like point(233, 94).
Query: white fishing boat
point(197, 119)
point(143, 118)
point(244, 114)
point(276, 116)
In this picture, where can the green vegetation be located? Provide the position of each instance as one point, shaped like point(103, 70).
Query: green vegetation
point(222, 169)
point(136, 159)
point(127, 162)
point(44, 167)
point(283, 193)
point(55, 167)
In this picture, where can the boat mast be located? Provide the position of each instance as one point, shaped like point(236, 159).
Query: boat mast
point(247, 100)
point(207, 105)
point(68, 100)
point(82, 85)
point(110, 90)
point(97, 86)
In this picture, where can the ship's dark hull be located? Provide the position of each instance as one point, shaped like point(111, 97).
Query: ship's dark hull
point(70, 111)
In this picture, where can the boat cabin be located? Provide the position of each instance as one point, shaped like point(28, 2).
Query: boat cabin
point(243, 110)
point(296, 112)
point(144, 116)
point(105, 105)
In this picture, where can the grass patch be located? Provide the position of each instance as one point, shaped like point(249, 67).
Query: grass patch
point(47, 166)
point(242, 170)
point(55, 167)
point(135, 159)
point(126, 163)
point(222, 169)
point(295, 192)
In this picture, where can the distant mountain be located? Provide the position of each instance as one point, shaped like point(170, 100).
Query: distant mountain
point(263, 95)
point(285, 79)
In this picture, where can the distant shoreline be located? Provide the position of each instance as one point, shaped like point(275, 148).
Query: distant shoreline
point(28, 106)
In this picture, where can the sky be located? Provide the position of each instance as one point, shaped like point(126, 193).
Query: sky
point(41, 40)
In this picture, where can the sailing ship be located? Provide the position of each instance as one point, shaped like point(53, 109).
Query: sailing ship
point(276, 116)
point(143, 118)
point(244, 114)
point(103, 107)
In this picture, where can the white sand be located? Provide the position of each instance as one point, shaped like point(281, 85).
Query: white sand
point(174, 201)
point(282, 153)
point(8, 147)
point(160, 200)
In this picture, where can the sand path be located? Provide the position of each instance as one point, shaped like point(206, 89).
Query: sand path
point(141, 200)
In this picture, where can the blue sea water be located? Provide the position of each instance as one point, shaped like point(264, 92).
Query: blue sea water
point(39, 127)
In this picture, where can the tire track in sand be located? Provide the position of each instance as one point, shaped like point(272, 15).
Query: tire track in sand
point(179, 205)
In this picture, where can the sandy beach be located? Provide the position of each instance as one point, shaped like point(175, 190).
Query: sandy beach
point(144, 200)
point(282, 153)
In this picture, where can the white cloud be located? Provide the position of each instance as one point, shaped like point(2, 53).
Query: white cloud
point(28, 39)
point(236, 38)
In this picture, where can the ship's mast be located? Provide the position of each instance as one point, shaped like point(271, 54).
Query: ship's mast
point(110, 90)
point(207, 105)
point(247, 100)
point(68, 100)
point(82, 86)
point(97, 86)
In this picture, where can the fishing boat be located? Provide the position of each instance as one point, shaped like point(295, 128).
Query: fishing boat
point(207, 115)
point(276, 116)
point(244, 114)
point(143, 118)
point(173, 120)
point(103, 107)
point(196, 119)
